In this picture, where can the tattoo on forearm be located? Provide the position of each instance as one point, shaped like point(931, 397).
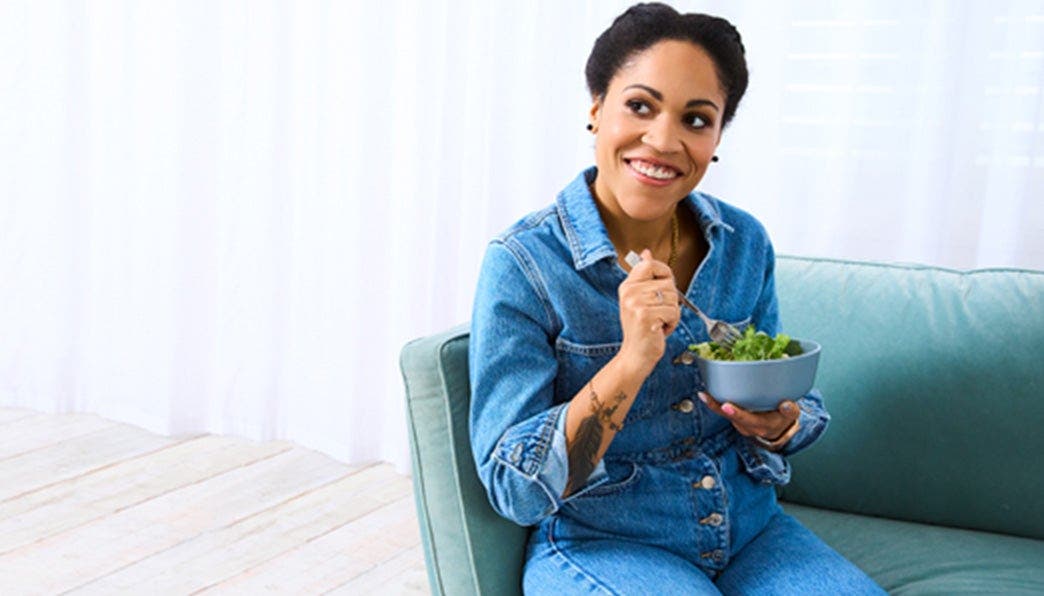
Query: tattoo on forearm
point(583, 451)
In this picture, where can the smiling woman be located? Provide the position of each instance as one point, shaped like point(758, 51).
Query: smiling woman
point(657, 126)
point(584, 424)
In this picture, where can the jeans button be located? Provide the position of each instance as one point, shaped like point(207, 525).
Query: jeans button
point(686, 406)
point(707, 482)
point(717, 555)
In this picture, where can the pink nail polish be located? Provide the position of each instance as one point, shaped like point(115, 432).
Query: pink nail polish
point(728, 409)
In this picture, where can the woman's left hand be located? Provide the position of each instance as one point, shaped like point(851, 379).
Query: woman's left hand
point(771, 426)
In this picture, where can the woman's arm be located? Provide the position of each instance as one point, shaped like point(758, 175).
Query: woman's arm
point(649, 313)
point(531, 454)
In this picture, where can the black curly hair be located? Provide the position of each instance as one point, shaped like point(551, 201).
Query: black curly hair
point(643, 25)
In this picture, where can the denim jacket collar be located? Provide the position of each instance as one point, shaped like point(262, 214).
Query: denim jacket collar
point(587, 236)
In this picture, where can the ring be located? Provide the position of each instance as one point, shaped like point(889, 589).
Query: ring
point(659, 296)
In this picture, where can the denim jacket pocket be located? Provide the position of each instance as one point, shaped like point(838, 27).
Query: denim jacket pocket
point(622, 475)
point(579, 362)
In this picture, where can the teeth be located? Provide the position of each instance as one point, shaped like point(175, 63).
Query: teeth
point(653, 171)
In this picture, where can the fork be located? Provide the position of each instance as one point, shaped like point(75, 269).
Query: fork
point(721, 332)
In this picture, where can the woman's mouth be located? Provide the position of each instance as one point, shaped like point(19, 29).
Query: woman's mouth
point(652, 173)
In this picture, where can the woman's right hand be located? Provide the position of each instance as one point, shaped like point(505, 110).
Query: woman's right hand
point(649, 312)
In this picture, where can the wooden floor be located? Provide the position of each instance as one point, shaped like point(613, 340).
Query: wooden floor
point(90, 506)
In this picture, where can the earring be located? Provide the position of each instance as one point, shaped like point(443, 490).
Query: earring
point(590, 126)
point(715, 158)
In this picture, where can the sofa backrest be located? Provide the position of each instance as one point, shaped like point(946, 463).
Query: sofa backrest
point(935, 382)
point(468, 547)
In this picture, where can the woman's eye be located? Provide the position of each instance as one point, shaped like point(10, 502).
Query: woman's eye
point(696, 121)
point(638, 107)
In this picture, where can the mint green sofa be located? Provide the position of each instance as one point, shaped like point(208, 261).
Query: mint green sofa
point(930, 477)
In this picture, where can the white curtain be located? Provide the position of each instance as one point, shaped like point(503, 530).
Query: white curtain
point(229, 216)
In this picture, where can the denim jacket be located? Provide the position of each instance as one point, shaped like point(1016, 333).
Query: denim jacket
point(546, 319)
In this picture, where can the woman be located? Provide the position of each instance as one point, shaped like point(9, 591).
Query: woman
point(586, 422)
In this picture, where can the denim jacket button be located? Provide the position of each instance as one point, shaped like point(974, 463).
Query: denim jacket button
point(685, 357)
point(707, 482)
point(516, 454)
point(713, 519)
point(686, 406)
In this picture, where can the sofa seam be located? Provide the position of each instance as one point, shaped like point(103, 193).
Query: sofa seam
point(907, 266)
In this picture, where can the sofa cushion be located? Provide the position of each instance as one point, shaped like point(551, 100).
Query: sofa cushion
point(912, 558)
point(469, 548)
point(935, 381)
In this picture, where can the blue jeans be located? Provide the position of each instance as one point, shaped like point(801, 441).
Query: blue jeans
point(785, 558)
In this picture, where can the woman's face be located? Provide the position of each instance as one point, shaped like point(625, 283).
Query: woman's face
point(656, 129)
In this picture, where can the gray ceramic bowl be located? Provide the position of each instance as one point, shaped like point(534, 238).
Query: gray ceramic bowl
point(760, 385)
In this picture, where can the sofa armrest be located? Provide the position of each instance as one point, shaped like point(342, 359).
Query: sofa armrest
point(469, 549)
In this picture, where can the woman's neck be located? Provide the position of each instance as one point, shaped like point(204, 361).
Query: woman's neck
point(629, 234)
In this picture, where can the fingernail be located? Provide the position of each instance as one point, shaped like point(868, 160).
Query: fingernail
point(787, 406)
point(702, 396)
point(728, 409)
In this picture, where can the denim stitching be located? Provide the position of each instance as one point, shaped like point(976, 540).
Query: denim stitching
point(604, 349)
point(536, 281)
point(533, 220)
point(713, 209)
point(581, 259)
point(612, 490)
point(535, 448)
point(567, 226)
point(543, 441)
point(552, 503)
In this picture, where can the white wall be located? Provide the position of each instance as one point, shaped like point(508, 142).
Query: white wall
point(229, 216)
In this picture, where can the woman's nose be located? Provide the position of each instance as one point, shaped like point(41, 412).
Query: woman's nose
point(663, 136)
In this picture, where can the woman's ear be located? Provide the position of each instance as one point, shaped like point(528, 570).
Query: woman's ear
point(596, 110)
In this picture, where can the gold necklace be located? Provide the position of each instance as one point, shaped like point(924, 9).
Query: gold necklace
point(674, 241)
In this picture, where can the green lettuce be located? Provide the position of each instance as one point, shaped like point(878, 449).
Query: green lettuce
point(752, 345)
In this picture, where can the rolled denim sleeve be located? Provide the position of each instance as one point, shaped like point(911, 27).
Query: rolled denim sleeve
point(812, 423)
point(531, 467)
point(517, 431)
point(772, 467)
